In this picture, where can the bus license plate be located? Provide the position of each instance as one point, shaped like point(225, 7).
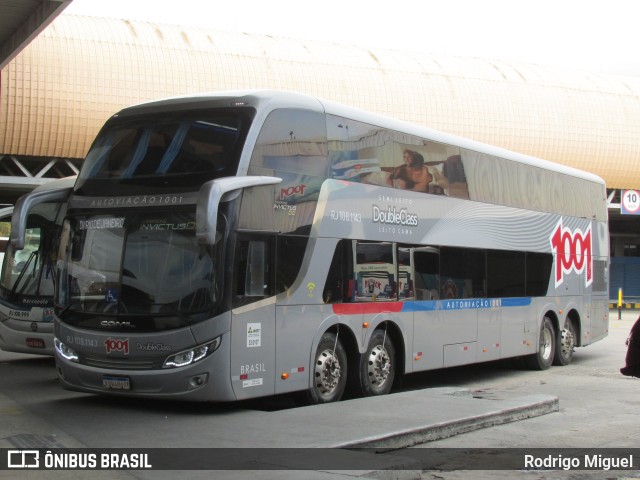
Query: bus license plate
point(116, 383)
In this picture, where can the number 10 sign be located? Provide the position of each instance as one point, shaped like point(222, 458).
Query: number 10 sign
point(630, 204)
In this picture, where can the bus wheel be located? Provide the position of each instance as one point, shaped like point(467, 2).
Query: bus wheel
point(377, 365)
point(546, 351)
point(329, 371)
point(566, 344)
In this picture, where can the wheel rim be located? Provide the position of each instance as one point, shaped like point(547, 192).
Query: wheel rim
point(379, 365)
point(546, 342)
point(568, 343)
point(327, 372)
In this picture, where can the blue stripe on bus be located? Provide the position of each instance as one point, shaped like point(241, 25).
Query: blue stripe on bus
point(359, 308)
point(466, 304)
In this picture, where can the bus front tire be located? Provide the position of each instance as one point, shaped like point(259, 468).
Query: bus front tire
point(329, 371)
point(543, 359)
point(377, 367)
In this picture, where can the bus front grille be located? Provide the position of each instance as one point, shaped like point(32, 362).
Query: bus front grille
point(122, 364)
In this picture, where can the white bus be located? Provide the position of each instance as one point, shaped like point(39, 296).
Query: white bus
point(244, 244)
point(27, 274)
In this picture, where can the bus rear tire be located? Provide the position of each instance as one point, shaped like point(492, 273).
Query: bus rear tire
point(377, 368)
point(566, 344)
point(543, 359)
point(329, 371)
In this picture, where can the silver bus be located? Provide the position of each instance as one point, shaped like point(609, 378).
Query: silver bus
point(243, 244)
point(5, 228)
point(27, 274)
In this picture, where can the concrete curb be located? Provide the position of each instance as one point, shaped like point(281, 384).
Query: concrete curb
point(527, 407)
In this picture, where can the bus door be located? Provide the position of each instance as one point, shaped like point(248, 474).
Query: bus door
point(253, 318)
point(428, 316)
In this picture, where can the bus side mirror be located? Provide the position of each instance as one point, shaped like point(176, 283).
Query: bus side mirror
point(18, 234)
point(212, 193)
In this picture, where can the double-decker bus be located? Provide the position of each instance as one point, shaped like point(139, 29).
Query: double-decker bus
point(244, 244)
point(27, 276)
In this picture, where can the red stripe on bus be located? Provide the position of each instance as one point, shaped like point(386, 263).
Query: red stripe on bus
point(369, 307)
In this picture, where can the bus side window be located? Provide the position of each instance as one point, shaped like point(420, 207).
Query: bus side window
point(254, 269)
point(339, 285)
point(256, 275)
point(463, 273)
point(538, 271)
point(505, 274)
point(290, 254)
point(375, 271)
point(266, 265)
point(427, 276)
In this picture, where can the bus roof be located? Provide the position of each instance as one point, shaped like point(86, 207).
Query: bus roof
point(57, 184)
point(274, 99)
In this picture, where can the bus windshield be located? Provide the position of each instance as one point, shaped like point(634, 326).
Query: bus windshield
point(29, 271)
point(144, 154)
point(136, 263)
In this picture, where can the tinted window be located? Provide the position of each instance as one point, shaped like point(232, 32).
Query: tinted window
point(290, 254)
point(339, 286)
point(427, 273)
point(505, 273)
point(291, 141)
point(182, 151)
point(266, 265)
point(365, 153)
point(538, 273)
point(375, 271)
point(462, 273)
point(255, 258)
point(291, 146)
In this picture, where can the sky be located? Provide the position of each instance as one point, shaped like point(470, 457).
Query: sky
point(602, 36)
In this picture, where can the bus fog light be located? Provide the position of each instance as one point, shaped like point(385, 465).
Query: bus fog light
point(188, 357)
point(198, 381)
point(64, 351)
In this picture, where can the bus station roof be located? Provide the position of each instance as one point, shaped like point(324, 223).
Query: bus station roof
point(59, 90)
point(21, 21)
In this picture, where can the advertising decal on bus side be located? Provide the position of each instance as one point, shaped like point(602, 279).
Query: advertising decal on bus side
point(573, 252)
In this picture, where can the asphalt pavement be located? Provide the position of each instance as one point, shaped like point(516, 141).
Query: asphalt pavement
point(283, 439)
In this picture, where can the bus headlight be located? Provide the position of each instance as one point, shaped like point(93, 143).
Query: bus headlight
point(64, 351)
point(187, 357)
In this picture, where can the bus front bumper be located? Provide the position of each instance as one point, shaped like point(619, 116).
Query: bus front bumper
point(206, 380)
point(26, 336)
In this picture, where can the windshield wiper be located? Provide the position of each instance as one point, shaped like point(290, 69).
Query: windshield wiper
point(66, 309)
point(32, 255)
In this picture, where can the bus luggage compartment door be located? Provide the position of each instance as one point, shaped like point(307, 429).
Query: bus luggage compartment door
point(459, 354)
